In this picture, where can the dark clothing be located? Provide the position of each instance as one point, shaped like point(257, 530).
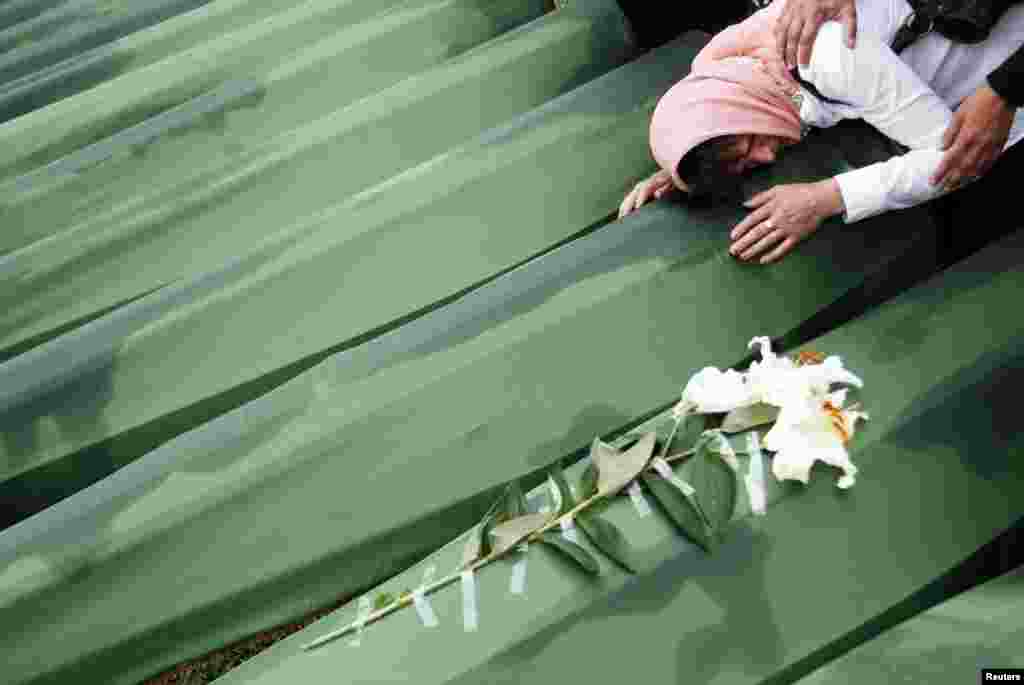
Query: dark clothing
point(655, 23)
point(981, 212)
point(1008, 79)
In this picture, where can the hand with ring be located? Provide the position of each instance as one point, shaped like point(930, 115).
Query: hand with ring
point(782, 217)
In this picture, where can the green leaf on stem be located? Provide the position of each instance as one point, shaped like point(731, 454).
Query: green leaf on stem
point(617, 469)
point(480, 539)
point(509, 534)
point(742, 418)
point(588, 482)
point(382, 600)
point(680, 510)
point(557, 477)
point(584, 559)
point(515, 502)
point(715, 483)
point(607, 538)
point(689, 431)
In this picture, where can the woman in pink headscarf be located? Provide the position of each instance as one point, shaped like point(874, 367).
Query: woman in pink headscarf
point(740, 107)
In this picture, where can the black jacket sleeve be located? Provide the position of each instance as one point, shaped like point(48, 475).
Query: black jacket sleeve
point(1008, 79)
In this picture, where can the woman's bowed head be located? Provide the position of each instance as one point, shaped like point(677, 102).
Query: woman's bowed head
point(727, 117)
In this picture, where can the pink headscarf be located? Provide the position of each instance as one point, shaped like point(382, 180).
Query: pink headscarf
point(737, 85)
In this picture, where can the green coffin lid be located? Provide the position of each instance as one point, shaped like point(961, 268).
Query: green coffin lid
point(946, 645)
point(334, 277)
point(378, 455)
point(248, 140)
point(93, 65)
point(375, 453)
point(941, 475)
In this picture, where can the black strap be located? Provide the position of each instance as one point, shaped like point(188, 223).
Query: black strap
point(812, 89)
point(918, 23)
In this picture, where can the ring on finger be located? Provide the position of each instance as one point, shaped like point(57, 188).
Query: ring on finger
point(767, 241)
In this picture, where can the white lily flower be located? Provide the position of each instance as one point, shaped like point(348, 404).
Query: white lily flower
point(773, 380)
point(811, 425)
point(800, 439)
point(798, 389)
point(829, 372)
point(711, 391)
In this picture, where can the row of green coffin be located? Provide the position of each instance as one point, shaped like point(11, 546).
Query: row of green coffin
point(258, 123)
point(74, 48)
point(948, 644)
point(40, 36)
point(378, 455)
point(171, 360)
point(355, 266)
point(520, 384)
point(72, 65)
point(941, 475)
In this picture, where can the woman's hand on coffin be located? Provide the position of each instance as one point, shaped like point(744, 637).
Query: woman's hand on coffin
point(781, 217)
point(975, 138)
point(645, 191)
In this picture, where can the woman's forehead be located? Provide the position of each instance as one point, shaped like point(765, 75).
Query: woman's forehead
point(732, 146)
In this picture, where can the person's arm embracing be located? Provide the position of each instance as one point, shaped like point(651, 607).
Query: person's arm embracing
point(981, 125)
point(800, 20)
point(884, 92)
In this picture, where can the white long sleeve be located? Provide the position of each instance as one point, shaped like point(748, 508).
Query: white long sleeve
point(879, 88)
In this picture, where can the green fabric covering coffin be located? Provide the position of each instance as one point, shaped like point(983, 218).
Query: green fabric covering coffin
point(946, 645)
point(41, 35)
point(374, 457)
point(167, 188)
point(139, 49)
point(155, 67)
point(941, 475)
point(209, 343)
point(344, 251)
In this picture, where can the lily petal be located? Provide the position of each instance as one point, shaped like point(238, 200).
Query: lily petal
point(831, 372)
point(712, 391)
point(792, 464)
point(799, 444)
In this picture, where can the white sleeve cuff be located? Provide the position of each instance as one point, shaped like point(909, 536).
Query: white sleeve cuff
point(861, 195)
point(898, 183)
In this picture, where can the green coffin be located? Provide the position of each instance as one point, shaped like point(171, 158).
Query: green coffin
point(167, 183)
point(376, 456)
point(104, 394)
point(329, 278)
point(941, 475)
point(946, 645)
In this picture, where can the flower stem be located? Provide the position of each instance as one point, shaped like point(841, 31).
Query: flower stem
point(671, 436)
point(375, 616)
point(449, 579)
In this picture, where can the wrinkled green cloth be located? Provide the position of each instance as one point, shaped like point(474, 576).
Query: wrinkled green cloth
point(350, 471)
point(347, 390)
point(948, 644)
point(356, 261)
point(941, 475)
